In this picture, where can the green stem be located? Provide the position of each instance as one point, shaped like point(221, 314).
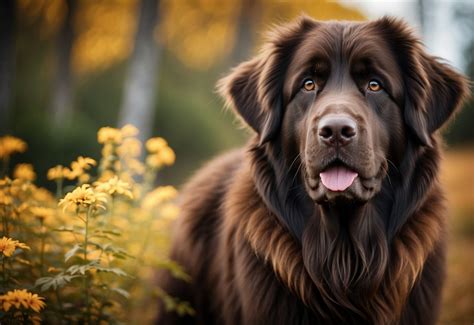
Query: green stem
point(112, 211)
point(59, 188)
point(42, 247)
point(5, 166)
point(5, 222)
point(60, 305)
point(4, 271)
point(86, 277)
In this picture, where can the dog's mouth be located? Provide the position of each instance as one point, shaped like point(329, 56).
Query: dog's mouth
point(338, 180)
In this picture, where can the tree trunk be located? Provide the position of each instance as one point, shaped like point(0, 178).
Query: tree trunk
point(62, 104)
point(7, 61)
point(247, 21)
point(139, 93)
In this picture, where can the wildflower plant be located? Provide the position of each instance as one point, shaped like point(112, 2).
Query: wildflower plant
point(87, 254)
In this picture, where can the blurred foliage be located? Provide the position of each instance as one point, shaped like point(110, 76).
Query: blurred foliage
point(91, 257)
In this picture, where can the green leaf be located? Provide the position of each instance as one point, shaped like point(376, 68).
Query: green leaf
point(175, 269)
point(82, 269)
point(112, 232)
point(122, 292)
point(55, 282)
point(112, 250)
point(75, 230)
point(114, 270)
point(73, 251)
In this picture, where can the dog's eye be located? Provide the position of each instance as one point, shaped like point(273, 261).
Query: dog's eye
point(309, 84)
point(374, 85)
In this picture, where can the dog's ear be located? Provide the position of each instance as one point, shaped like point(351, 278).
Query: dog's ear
point(433, 90)
point(254, 88)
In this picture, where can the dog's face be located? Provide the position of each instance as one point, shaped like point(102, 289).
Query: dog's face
point(342, 114)
point(344, 99)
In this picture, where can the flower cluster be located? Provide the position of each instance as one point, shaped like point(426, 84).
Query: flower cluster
point(84, 197)
point(21, 299)
point(24, 172)
point(8, 246)
point(114, 186)
point(58, 172)
point(78, 170)
point(10, 145)
point(109, 135)
point(160, 153)
point(93, 249)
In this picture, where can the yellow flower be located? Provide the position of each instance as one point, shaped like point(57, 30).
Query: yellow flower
point(8, 246)
point(58, 172)
point(107, 150)
point(10, 145)
point(85, 162)
point(83, 197)
point(78, 168)
point(34, 302)
point(158, 196)
point(156, 144)
point(167, 156)
point(130, 147)
point(5, 198)
point(114, 186)
point(24, 172)
point(135, 166)
point(106, 175)
point(164, 157)
point(129, 130)
point(42, 212)
point(6, 181)
point(42, 195)
point(22, 299)
point(109, 135)
point(84, 178)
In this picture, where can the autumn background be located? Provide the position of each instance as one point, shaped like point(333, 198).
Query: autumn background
point(70, 67)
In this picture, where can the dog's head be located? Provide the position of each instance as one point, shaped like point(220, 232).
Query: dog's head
point(345, 100)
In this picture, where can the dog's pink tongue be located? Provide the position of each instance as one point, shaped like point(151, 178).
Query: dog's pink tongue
point(337, 178)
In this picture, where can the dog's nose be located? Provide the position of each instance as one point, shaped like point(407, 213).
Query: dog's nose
point(337, 130)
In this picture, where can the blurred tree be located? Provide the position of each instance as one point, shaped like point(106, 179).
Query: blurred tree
point(7, 60)
point(62, 103)
point(461, 132)
point(139, 93)
point(421, 13)
point(247, 23)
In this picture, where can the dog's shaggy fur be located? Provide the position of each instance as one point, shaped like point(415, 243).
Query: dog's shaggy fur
point(266, 242)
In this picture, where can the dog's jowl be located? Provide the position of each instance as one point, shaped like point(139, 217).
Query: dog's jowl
point(332, 213)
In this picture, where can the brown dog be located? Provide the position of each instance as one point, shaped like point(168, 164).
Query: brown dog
point(333, 213)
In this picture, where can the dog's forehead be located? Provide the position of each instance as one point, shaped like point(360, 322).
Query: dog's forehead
point(347, 41)
point(346, 45)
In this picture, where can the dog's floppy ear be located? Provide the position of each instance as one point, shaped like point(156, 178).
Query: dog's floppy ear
point(254, 88)
point(433, 90)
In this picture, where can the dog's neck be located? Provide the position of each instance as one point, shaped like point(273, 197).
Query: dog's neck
point(339, 254)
